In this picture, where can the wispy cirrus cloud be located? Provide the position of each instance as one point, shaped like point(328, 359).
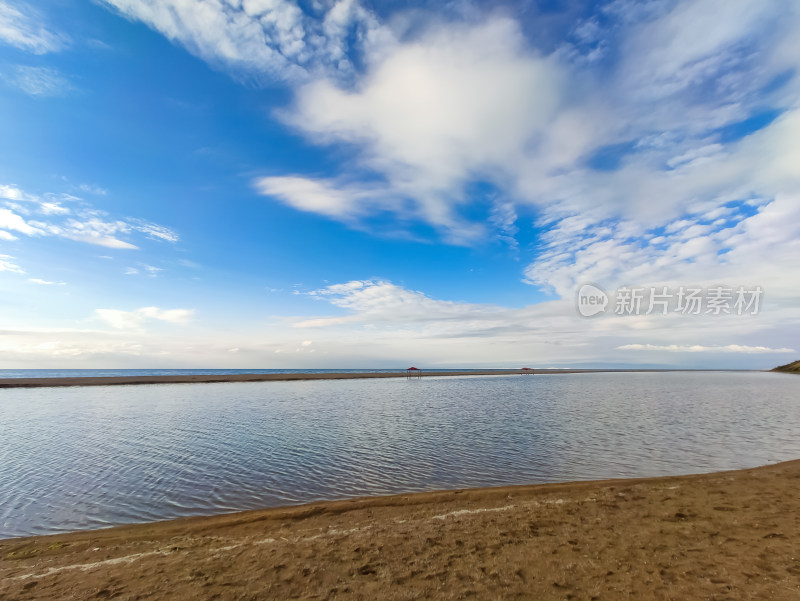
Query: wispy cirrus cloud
point(56, 347)
point(377, 301)
point(38, 81)
point(93, 229)
point(7, 263)
point(23, 26)
point(144, 269)
point(153, 230)
point(139, 317)
point(699, 348)
point(70, 217)
point(90, 189)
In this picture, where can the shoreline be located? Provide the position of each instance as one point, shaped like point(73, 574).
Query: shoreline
point(725, 535)
point(285, 377)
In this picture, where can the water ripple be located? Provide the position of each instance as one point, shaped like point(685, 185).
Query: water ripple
point(91, 457)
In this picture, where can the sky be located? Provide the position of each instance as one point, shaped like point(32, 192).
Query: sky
point(344, 184)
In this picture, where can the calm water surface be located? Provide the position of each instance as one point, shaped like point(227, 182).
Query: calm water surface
point(75, 458)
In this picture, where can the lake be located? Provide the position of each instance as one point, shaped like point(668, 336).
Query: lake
point(80, 458)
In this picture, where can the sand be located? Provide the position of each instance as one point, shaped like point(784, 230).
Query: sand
point(208, 378)
point(731, 535)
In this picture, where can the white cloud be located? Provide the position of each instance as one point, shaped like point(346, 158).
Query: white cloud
point(11, 221)
point(155, 231)
point(7, 265)
point(697, 348)
point(45, 282)
point(379, 323)
point(94, 230)
point(11, 192)
point(90, 189)
point(148, 270)
point(110, 348)
point(695, 42)
point(439, 107)
point(381, 301)
point(747, 250)
point(431, 115)
point(53, 208)
point(38, 81)
point(383, 319)
point(22, 26)
point(189, 264)
point(137, 318)
point(464, 103)
point(61, 350)
point(85, 223)
point(256, 37)
point(324, 197)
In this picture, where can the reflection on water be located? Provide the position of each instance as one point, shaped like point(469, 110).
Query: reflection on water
point(74, 458)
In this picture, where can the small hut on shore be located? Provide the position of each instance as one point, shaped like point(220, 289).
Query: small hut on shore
point(413, 372)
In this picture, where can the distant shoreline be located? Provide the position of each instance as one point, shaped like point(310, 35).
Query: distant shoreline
point(789, 368)
point(283, 377)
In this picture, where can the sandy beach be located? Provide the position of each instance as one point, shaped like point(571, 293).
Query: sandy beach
point(216, 378)
point(729, 535)
point(283, 377)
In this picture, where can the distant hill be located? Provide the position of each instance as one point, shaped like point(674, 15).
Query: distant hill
point(789, 368)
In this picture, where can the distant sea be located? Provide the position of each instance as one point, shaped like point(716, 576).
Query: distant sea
point(98, 373)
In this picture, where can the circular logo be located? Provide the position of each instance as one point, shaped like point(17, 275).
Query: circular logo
point(591, 300)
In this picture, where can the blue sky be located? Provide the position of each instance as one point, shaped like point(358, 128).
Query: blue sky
point(252, 183)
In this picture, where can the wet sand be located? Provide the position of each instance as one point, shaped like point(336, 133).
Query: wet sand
point(723, 536)
point(210, 378)
point(202, 378)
